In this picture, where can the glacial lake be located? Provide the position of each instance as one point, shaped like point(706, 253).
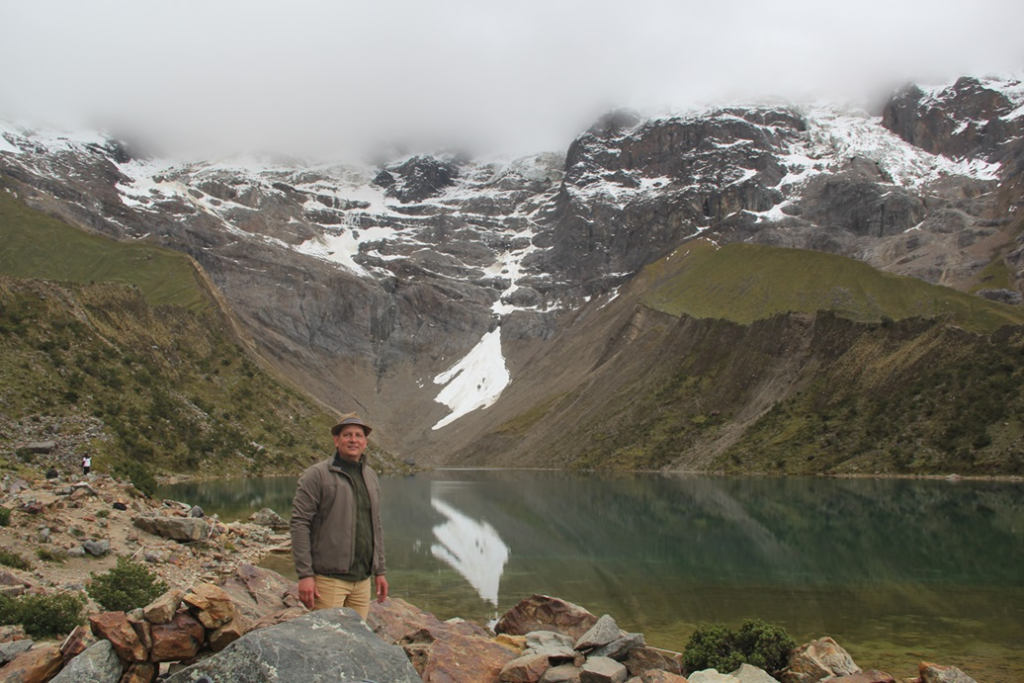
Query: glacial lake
point(897, 571)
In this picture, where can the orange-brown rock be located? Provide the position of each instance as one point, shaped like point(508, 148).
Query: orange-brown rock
point(76, 643)
point(645, 658)
point(115, 627)
point(456, 658)
point(37, 665)
point(179, 639)
point(140, 672)
point(544, 613)
point(223, 636)
point(525, 669)
point(162, 610)
point(937, 673)
point(211, 605)
point(659, 676)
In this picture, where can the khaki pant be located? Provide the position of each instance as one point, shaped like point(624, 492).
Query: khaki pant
point(338, 593)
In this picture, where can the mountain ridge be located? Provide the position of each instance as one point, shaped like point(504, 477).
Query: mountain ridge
point(366, 285)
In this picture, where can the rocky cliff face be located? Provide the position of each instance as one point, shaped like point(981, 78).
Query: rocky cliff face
point(365, 283)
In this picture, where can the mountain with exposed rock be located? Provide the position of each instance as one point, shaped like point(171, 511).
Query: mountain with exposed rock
point(545, 310)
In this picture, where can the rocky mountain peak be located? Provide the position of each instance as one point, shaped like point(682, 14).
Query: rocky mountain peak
point(368, 284)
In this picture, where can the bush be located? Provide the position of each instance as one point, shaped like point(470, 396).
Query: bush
point(140, 476)
point(50, 555)
point(125, 587)
point(9, 558)
point(756, 643)
point(44, 616)
point(5, 516)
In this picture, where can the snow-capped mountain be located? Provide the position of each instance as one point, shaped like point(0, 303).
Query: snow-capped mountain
point(420, 290)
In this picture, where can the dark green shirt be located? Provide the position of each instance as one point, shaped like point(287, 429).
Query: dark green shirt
point(362, 558)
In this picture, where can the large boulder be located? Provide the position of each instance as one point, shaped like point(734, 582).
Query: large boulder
point(819, 659)
point(185, 529)
point(98, 664)
point(544, 613)
point(346, 649)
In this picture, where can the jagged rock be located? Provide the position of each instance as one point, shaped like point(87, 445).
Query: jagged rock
point(561, 673)
point(603, 670)
point(279, 617)
point(115, 627)
point(12, 649)
point(456, 658)
point(40, 447)
point(936, 673)
point(525, 669)
point(96, 548)
point(544, 613)
point(162, 610)
point(267, 517)
point(599, 635)
point(647, 658)
point(211, 605)
point(98, 664)
point(345, 649)
point(258, 592)
point(619, 648)
point(554, 646)
point(751, 674)
point(37, 665)
point(181, 638)
point(76, 643)
point(176, 528)
point(228, 633)
point(711, 676)
point(140, 672)
point(817, 659)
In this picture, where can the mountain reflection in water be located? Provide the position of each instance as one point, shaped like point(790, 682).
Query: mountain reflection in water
point(472, 548)
point(897, 571)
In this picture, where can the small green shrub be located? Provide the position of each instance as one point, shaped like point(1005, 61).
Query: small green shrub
point(140, 476)
point(5, 516)
point(9, 558)
point(49, 555)
point(103, 513)
point(43, 616)
point(757, 643)
point(125, 587)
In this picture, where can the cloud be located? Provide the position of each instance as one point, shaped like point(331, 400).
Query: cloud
point(327, 76)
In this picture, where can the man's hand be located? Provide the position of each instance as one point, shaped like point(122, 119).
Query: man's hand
point(382, 588)
point(308, 592)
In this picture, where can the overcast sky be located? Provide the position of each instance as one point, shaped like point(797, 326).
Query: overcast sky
point(518, 75)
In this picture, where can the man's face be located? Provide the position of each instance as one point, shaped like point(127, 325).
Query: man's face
point(351, 442)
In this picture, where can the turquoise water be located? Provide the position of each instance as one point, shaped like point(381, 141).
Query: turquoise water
point(897, 571)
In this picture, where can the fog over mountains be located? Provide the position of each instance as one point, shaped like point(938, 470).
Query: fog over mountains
point(431, 291)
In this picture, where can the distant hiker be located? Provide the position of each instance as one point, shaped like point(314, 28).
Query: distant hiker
point(86, 464)
point(335, 551)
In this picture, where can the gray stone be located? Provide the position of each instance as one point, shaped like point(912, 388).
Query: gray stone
point(176, 528)
point(620, 647)
point(346, 649)
point(563, 673)
point(267, 517)
point(98, 664)
point(9, 651)
point(601, 633)
point(554, 645)
point(97, 548)
point(40, 446)
point(748, 673)
point(603, 670)
point(711, 676)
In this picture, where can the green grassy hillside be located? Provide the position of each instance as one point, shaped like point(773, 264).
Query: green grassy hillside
point(34, 245)
point(748, 282)
point(125, 353)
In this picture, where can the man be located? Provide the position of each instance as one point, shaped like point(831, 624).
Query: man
point(337, 536)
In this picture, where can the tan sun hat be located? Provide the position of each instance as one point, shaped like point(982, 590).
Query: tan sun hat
point(351, 419)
